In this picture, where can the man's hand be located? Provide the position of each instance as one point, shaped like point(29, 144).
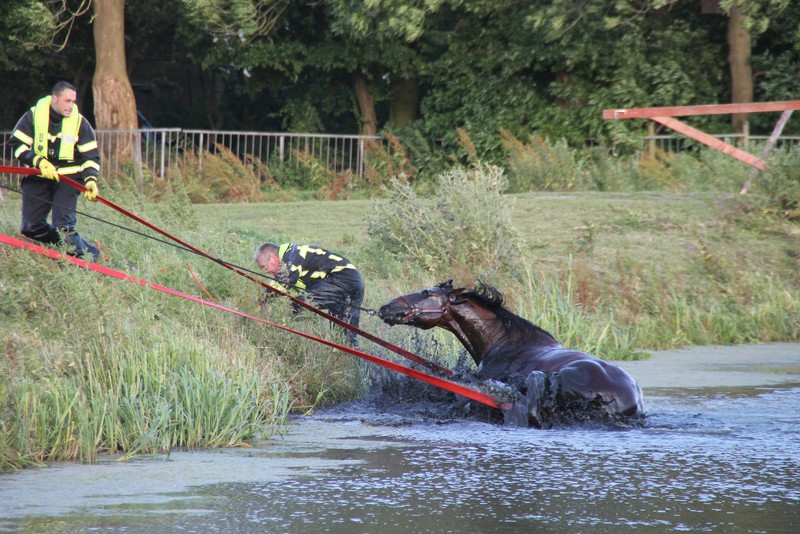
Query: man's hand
point(266, 295)
point(91, 189)
point(48, 170)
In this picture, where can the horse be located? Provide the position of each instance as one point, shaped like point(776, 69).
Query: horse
point(550, 383)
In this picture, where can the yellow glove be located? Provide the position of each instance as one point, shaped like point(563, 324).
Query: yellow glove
point(48, 170)
point(91, 189)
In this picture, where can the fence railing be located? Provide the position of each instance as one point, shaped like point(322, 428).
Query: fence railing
point(157, 149)
point(677, 143)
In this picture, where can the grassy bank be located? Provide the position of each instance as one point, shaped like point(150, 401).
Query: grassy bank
point(93, 365)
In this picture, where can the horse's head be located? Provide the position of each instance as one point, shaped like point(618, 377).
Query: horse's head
point(423, 309)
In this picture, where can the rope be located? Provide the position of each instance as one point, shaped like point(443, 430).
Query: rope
point(244, 273)
point(449, 385)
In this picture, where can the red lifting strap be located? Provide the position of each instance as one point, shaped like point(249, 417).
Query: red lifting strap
point(394, 348)
point(420, 375)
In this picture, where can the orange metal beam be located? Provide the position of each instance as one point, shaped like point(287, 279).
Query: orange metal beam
point(711, 141)
point(708, 109)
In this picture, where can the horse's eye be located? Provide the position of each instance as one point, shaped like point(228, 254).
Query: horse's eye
point(453, 298)
point(425, 293)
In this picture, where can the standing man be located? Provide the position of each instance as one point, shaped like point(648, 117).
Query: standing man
point(56, 139)
point(331, 281)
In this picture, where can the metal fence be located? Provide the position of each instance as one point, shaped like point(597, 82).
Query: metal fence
point(155, 150)
point(677, 143)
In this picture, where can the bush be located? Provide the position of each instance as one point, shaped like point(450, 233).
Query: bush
point(782, 183)
point(541, 166)
point(465, 231)
point(610, 173)
point(222, 178)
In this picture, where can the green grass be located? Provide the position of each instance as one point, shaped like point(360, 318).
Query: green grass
point(95, 365)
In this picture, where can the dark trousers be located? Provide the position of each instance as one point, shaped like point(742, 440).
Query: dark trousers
point(341, 295)
point(39, 197)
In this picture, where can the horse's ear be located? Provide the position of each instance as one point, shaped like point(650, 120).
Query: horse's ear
point(446, 285)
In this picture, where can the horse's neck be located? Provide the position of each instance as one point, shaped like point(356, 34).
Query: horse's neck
point(468, 338)
point(478, 331)
point(481, 332)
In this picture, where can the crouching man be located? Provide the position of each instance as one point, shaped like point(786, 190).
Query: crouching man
point(328, 280)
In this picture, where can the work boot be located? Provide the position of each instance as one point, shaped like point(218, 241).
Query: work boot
point(82, 247)
point(44, 234)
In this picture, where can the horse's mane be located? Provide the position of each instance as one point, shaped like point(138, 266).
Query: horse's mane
point(489, 295)
point(492, 298)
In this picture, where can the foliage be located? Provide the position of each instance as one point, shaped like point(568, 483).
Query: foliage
point(542, 166)
point(551, 304)
point(609, 172)
point(426, 159)
point(222, 177)
point(463, 231)
point(759, 16)
point(24, 25)
point(142, 376)
point(148, 373)
point(542, 68)
point(393, 162)
point(781, 184)
point(612, 273)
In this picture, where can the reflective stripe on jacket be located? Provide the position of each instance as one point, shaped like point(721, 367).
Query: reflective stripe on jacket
point(70, 127)
point(303, 266)
point(69, 143)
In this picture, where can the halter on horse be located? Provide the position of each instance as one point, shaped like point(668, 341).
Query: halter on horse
point(553, 383)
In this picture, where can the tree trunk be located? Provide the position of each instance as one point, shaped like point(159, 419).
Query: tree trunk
point(209, 83)
point(369, 120)
point(114, 103)
point(739, 49)
point(404, 101)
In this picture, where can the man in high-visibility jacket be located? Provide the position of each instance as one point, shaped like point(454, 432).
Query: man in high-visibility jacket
point(330, 281)
point(55, 138)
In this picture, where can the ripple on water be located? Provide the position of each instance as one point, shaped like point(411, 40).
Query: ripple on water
point(706, 461)
point(685, 471)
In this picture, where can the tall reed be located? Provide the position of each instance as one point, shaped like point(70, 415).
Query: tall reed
point(131, 399)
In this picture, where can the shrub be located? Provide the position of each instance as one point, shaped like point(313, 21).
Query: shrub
point(782, 183)
point(465, 231)
point(223, 177)
point(610, 173)
point(541, 166)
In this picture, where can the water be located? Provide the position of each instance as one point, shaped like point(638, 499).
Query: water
point(713, 458)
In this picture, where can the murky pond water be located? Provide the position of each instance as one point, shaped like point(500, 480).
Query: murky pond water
point(713, 458)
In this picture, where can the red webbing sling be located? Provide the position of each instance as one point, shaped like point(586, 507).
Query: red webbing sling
point(394, 348)
point(420, 375)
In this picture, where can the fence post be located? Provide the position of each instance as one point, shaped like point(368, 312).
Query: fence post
point(651, 141)
point(200, 154)
point(745, 134)
point(163, 154)
point(360, 158)
point(137, 160)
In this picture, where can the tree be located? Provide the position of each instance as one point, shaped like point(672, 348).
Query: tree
point(365, 46)
point(49, 25)
point(745, 20)
point(114, 102)
point(739, 51)
point(25, 27)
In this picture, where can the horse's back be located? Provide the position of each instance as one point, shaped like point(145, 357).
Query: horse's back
point(595, 378)
point(580, 376)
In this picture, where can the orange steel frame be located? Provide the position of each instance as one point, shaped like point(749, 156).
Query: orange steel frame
point(664, 115)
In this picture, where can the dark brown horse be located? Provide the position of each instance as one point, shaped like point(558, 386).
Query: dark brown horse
point(552, 383)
